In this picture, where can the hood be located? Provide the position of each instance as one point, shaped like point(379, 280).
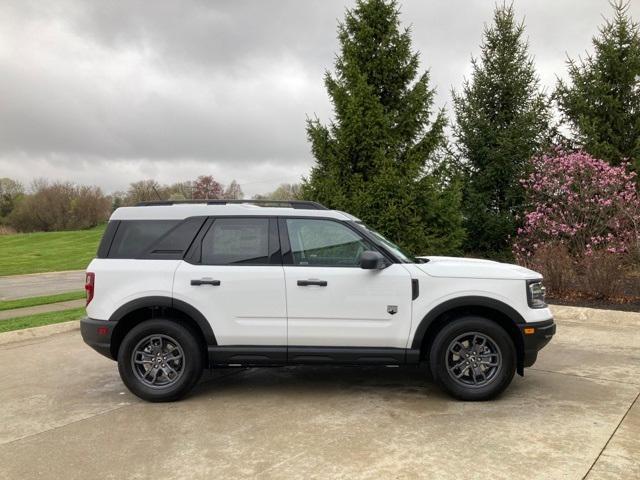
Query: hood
point(455, 267)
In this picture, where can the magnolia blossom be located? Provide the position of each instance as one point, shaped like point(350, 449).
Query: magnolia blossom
point(580, 202)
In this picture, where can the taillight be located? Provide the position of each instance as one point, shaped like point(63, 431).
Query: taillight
point(89, 285)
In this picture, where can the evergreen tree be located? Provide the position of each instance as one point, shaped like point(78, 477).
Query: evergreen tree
point(602, 103)
point(378, 158)
point(502, 120)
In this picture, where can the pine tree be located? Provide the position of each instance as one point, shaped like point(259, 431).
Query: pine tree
point(378, 158)
point(502, 120)
point(602, 103)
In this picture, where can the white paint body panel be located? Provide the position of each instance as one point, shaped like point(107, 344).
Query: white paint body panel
point(248, 308)
point(119, 281)
point(351, 311)
point(453, 267)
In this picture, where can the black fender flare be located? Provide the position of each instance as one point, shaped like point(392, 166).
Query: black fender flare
point(168, 302)
point(461, 302)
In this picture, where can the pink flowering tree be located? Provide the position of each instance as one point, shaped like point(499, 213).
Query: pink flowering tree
point(581, 203)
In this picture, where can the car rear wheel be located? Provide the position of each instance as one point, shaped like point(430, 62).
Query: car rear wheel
point(473, 358)
point(160, 360)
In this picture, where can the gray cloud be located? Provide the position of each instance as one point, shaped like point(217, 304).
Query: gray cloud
point(110, 92)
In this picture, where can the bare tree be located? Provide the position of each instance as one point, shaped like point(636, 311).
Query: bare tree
point(233, 191)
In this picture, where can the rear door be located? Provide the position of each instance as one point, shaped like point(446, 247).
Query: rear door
point(331, 301)
point(233, 275)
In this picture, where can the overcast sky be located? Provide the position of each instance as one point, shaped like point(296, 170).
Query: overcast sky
point(112, 92)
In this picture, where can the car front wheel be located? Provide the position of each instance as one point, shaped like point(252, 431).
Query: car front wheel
point(160, 360)
point(473, 358)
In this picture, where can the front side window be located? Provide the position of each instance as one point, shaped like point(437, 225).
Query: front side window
point(232, 241)
point(316, 242)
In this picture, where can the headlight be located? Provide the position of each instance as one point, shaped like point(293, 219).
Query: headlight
point(535, 294)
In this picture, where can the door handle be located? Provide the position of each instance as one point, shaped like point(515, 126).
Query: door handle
point(205, 281)
point(306, 283)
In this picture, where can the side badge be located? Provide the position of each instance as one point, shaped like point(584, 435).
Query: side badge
point(392, 309)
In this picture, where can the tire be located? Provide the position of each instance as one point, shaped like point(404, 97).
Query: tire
point(160, 360)
point(479, 340)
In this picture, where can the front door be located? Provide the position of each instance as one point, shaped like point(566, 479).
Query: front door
point(331, 301)
point(234, 277)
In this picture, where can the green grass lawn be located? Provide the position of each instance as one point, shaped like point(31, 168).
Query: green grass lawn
point(48, 251)
point(41, 319)
point(34, 301)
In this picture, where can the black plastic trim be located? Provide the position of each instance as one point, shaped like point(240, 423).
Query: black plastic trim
point(100, 343)
point(415, 288)
point(346, 356)
point(302, 355)
point(247, 355)
point(199, 282)
point(470, 301)
point(168, 302)
point(545, 330)
point(307, 283)
point(296, 204)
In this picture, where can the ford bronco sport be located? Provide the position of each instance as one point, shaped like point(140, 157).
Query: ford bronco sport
point(181, 286)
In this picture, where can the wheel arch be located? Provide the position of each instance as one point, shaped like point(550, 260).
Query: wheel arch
point(506, 316)
point(136, 311)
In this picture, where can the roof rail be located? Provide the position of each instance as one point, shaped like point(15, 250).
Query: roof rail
point(300, 204)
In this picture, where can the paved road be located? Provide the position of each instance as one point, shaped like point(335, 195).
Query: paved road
point(65, 414)
point(36, 284)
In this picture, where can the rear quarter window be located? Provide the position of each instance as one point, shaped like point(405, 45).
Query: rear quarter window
point(133, 238)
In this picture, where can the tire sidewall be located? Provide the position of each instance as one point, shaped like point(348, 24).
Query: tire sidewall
point(193, 363)
point(459, 326)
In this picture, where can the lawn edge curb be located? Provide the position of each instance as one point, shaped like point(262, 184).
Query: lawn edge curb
point(34, 333)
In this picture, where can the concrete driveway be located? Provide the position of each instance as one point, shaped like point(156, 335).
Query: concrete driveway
point(37, 284)
point(65, 414)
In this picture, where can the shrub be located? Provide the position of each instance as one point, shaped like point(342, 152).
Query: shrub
point(60, 206)
point(602, 275)
point(582, 223)
point(557, 266)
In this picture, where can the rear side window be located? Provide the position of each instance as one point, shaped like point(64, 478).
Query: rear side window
point(134, 237)
point(232, 241)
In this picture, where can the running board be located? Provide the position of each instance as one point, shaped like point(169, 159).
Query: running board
point(260, 355)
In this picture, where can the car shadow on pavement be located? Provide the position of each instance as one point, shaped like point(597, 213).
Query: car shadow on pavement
point(312, 379)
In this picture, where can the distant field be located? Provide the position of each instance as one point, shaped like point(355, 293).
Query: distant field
point(48, 251)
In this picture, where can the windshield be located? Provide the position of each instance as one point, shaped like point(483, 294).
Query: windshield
point(389, 245)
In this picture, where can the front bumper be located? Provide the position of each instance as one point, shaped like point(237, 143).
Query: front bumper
point(535, 336)
point(97, 334)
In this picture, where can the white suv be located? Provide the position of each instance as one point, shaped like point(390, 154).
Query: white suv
point(180, 286)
